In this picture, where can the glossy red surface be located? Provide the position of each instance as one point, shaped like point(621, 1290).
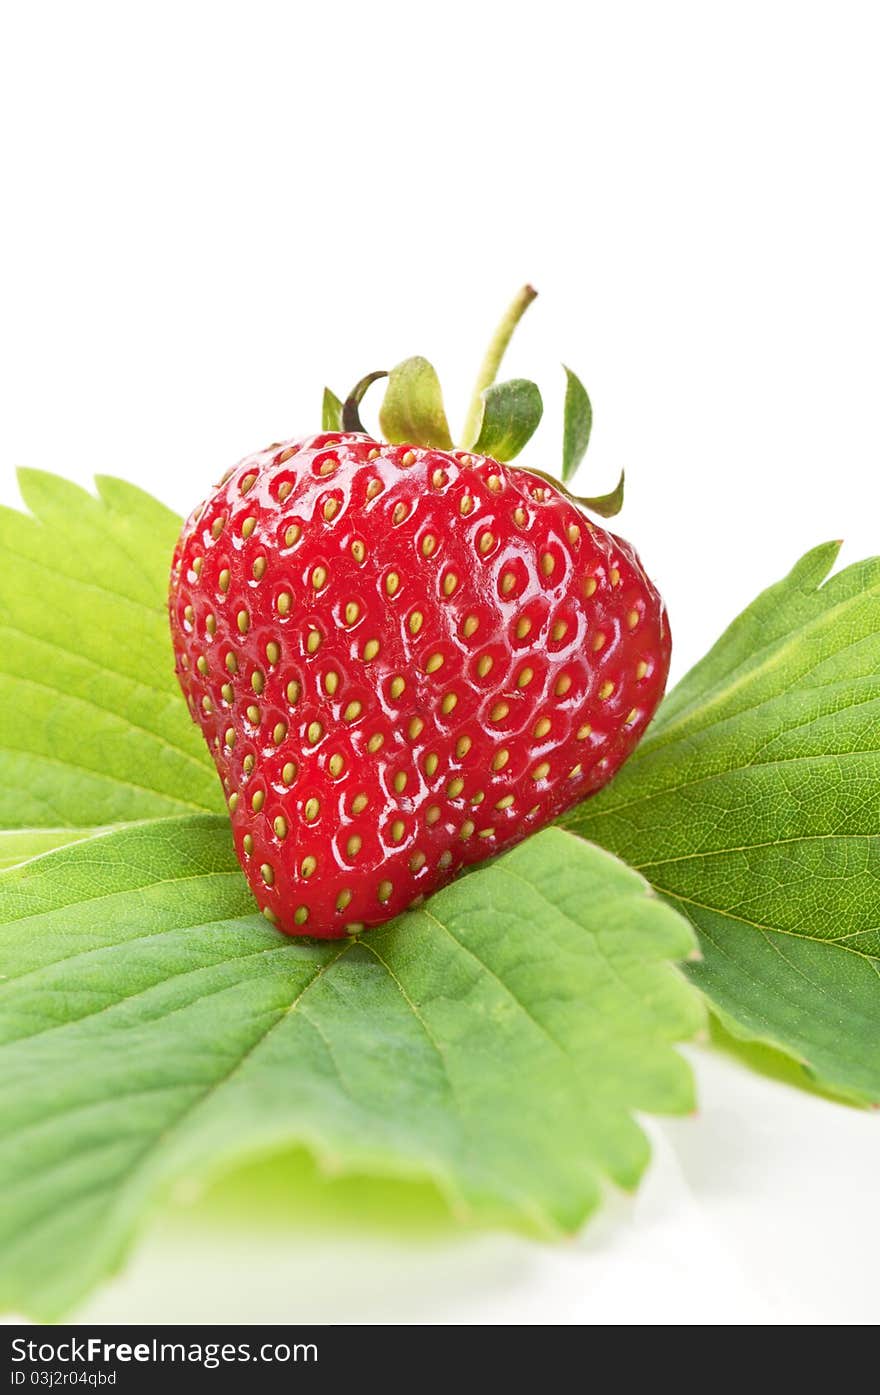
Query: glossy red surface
point(403, 661)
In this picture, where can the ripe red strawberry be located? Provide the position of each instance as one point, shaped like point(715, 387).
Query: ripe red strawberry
point(403, 660)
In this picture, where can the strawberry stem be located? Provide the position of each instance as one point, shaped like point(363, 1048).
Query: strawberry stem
point(492, 362)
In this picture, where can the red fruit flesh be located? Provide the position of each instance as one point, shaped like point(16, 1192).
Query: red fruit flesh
point(403, 661)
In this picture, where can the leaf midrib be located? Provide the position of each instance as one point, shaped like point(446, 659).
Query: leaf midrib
point(435, 1171)
point(750, 847)
point(606, 809)
point(768, 929)
point(433, 1167)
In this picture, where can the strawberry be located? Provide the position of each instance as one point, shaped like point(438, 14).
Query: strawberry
point(404, 658)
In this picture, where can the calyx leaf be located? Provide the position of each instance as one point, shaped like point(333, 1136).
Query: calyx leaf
point(577, 425)
point(351, 417)
point(511, 413)
point(412, 412)
point(606, 505)
point(331, 412)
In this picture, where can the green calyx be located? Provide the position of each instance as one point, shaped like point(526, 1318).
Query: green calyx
point(501, 418)
point(331, 412)
point(412, 412)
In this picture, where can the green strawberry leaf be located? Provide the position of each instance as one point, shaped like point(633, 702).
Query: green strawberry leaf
point(92, 728)
point(577, 424)
point(412, 412)
point(331, 412)
point(511, 414)
point(752, 805)
point(496, 1041)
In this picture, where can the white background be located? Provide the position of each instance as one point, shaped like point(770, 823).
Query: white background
point(210, 210)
